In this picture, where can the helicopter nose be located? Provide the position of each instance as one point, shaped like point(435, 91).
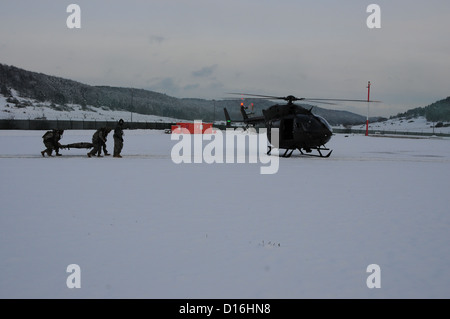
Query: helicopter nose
point(327, 137)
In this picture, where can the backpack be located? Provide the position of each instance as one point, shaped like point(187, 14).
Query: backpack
point(48, 135)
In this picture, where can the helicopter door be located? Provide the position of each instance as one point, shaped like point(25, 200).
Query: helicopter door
point(287, 129)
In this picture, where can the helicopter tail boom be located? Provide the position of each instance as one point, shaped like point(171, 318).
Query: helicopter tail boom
point(227, 117)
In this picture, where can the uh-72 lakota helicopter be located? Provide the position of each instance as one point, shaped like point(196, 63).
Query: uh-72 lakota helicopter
point(299, 128)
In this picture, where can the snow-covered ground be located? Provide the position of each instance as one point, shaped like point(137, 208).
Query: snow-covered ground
point(145, 227)
point(410, 125)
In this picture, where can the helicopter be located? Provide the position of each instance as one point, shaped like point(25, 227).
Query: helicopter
point(299, 128)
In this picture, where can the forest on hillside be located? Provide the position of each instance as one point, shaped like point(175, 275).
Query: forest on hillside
point(436, 112)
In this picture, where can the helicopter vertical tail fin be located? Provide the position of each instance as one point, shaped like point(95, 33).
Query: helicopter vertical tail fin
point(227, 117)
point(244, 114)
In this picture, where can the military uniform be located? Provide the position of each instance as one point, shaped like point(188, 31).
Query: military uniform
point(51, 142)
point(118, 139)
point(97, 141)
point(103, 142)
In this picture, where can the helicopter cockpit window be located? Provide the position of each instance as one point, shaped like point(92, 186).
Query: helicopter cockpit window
point(300, 120)
point(305, 122)
point(324, 122)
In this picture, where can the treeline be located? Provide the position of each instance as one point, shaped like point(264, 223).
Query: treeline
point(60, 93)
point(436, 112)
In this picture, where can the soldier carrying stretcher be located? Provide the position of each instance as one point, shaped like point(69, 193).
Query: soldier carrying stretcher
point(99, 141)
point(51, 142)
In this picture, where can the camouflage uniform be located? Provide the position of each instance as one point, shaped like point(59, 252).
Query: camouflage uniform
point(103, 143)
point(51, 142)
point(118, 139)
point(97, 140)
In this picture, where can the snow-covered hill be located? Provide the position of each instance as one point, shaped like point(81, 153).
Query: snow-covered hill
point(408, 125)
point(19, 108)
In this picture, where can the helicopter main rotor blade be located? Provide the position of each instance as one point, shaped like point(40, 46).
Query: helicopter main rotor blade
point(292, 98)
point(247, 98)
point(269, 97)
point(321, 102)
point(338, 100)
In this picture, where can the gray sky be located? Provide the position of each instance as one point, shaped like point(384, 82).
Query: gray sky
point(205, 48)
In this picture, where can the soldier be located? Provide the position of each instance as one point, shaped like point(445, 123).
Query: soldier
point(97, 140)
point(118, 139)
point(106, 131)
point(51, 142)
point(58, 145)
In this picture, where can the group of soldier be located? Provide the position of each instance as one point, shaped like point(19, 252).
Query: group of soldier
point(51, 141)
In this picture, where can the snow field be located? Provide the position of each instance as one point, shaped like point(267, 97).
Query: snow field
point(144, 227)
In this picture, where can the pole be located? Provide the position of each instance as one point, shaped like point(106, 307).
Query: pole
point(368, 100)
point(214, 119)
point(131, 107)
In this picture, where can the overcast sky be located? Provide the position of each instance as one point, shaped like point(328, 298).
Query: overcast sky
point(206, 48)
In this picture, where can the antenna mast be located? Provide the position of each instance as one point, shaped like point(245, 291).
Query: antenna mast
point(368, 100)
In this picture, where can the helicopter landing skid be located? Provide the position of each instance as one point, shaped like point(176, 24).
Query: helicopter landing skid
point(318, 149)
point(286, 154)
point(289, 152)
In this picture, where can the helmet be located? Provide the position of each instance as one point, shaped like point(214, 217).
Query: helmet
point(120, 121)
